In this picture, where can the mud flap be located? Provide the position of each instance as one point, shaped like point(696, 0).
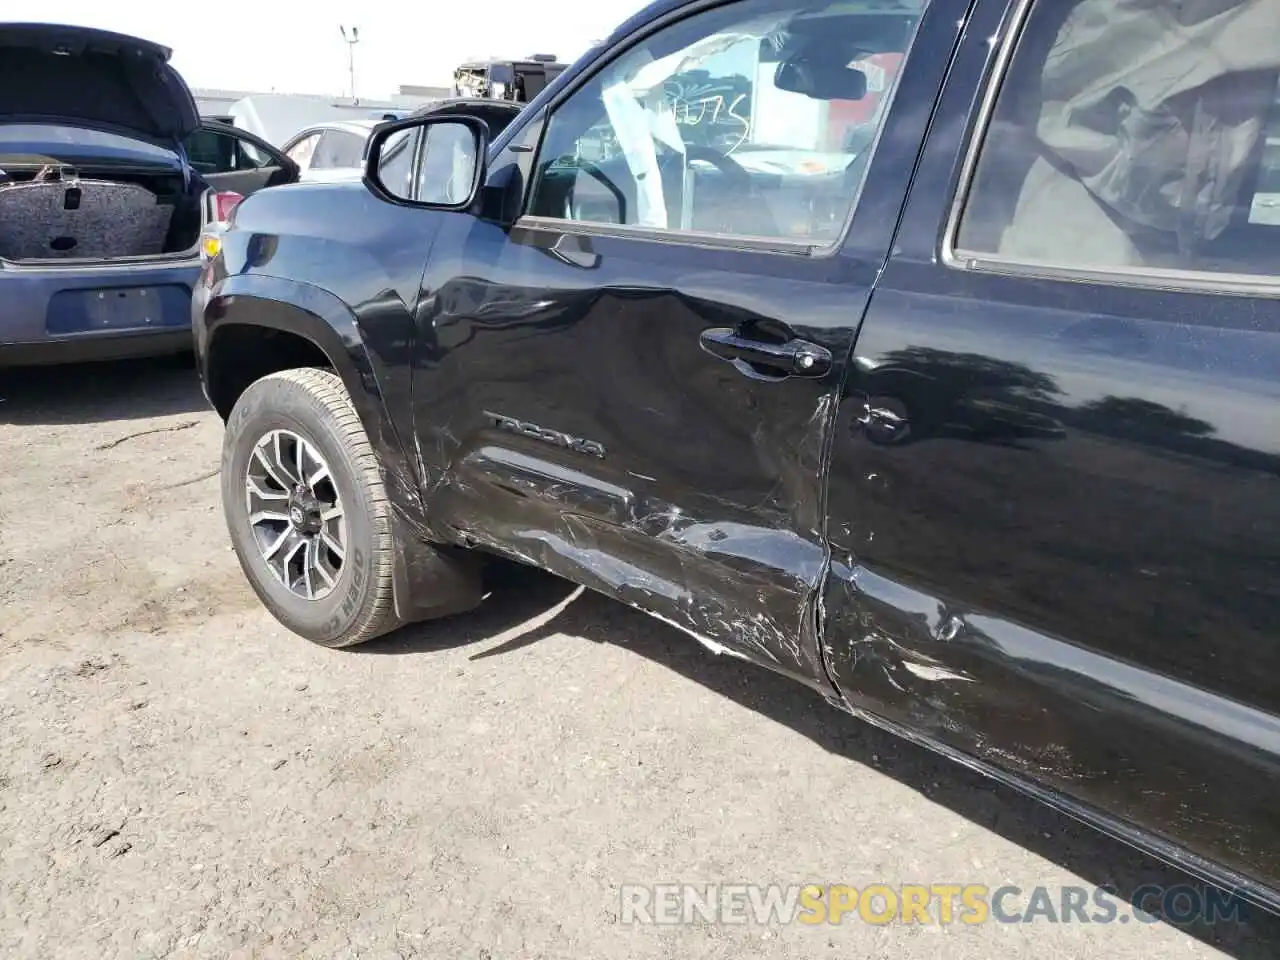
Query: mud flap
point(432, 580)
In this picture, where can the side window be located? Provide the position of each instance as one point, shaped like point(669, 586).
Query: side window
point(249, 157)
point(754, 119)
point(210, 152)
point(1131, 136)
point(337, 148)
point(302, 151)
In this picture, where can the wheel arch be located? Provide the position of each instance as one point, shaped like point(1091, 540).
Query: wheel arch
point(253, 322)
point(255, 325)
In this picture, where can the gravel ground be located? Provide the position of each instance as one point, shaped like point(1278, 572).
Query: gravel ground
point(179, 777)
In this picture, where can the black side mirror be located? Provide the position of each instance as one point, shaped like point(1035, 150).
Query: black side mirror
point(428, 161)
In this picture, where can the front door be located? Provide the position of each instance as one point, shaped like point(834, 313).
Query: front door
point(631, 380)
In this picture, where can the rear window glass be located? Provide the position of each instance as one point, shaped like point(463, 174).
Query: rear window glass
point(1143, 135)
point(35, 138)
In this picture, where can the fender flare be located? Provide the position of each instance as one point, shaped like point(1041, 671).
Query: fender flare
point(307, 311)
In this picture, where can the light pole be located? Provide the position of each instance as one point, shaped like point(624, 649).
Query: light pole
point(351, 40)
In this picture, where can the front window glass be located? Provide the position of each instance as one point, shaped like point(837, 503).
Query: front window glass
point(754, 119)
point(338, 149)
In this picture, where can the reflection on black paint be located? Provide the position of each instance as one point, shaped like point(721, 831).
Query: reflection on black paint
point(1138, 416)
point(259, 250)
point(919, 392)
point(1075, 585)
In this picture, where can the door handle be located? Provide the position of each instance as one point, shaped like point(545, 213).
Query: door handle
point(794, 358)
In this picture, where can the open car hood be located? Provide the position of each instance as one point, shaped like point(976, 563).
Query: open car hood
point(92, 78)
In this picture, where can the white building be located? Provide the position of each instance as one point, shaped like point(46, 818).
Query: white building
point(277, 116)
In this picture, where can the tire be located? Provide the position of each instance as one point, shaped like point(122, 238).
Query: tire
point(313, 405)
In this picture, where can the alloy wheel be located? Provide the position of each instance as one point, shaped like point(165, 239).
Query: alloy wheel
point(296, 514)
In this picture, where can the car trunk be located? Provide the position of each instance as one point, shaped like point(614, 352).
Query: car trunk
point(96, 214)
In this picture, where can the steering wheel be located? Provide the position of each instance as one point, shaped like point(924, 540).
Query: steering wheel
point(751, 217)
point(737, 176)
point(572, 211)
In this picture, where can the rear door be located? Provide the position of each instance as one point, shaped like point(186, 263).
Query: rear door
point(1055, 485)
point(229, 159)
point(638, 392)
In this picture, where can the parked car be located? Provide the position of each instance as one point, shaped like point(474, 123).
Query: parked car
point(690, 382)
point(335, 150)
point(100, 210)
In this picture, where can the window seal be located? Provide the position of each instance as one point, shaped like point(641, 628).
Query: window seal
point(950, 253)
point(692, 238)
point(972, 261)
point(1154, 279)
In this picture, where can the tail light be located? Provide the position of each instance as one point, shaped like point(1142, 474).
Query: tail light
point(224, 203)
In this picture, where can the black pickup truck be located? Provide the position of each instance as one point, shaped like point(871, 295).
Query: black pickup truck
point(924, 351)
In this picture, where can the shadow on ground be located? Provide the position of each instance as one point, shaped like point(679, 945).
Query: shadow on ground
point(525, 605)
point(100, 392)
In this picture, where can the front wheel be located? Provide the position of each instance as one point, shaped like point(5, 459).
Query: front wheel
point(307, 510)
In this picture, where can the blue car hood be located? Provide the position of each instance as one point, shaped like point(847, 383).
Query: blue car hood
point(93, 78)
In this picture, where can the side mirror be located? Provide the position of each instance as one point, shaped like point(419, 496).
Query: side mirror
point(428, 161)
point(820, 79)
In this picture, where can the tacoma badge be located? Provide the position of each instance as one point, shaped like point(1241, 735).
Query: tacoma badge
point(577, 444)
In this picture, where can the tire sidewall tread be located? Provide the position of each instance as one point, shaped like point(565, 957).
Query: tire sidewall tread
point(314, 403)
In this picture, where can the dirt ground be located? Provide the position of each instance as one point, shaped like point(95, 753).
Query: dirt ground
point(179, 777)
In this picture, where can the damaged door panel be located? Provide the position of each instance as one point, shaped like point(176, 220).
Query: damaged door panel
point(634, 384)
point(1054, 502)
point(578, 424)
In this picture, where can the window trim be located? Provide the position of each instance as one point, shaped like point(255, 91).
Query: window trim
point(700, 239)
point(956, 257)
point(693, 238)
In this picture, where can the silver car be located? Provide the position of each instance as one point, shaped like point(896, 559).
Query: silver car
point(333, 150)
